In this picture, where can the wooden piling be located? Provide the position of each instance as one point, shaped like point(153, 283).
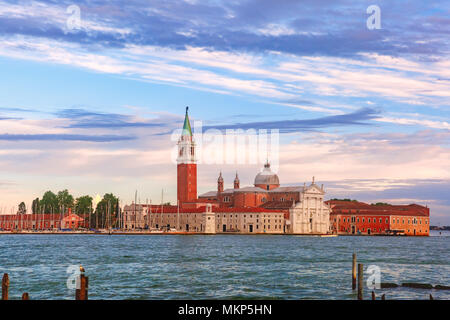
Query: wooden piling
point(383, 297)
point(373, 295)
point(431, 297)
point(82, 292)
point(25, 296)
point(5, 286)
point(360, 280)
point(354, 272)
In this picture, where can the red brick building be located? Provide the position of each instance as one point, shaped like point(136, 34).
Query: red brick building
point(353, 217)
point(41, 221)
point(266, 189)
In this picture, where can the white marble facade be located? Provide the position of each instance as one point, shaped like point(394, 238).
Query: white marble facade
point(310, 215)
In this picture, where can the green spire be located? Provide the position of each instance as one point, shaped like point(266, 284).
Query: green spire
point(187, 125)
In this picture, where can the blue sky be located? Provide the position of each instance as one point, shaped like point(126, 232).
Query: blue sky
point(91, 109)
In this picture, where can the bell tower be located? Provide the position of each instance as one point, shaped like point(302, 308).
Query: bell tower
point(220, 183)
point(186, 164)
point(236, 182)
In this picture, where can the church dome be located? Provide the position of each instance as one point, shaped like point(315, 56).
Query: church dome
point(267, 177)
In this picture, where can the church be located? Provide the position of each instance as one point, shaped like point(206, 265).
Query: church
point(265, 207)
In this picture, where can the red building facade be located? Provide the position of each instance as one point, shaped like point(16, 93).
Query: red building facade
point(353, 217)
point(41, 221)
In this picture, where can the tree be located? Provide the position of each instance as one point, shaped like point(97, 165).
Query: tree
point(108, 203)
point(35, 206)
point(48, 204)
point(22, 208)
point(380, 204)
point(65, 199)
point(83, 205)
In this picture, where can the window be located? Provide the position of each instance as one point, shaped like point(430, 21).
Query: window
point(368, 220)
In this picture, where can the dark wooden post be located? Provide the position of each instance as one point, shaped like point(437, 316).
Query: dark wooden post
point(431, 297)
point(25, 296)
point(373, 296)
point(383, 297)
point(354, 272)
point(360, 280)
point(82, 292)
point(5, 286)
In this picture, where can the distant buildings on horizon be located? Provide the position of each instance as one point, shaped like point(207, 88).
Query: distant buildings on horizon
point(265, 207)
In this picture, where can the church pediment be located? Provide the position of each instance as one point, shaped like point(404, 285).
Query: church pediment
point(314, 189)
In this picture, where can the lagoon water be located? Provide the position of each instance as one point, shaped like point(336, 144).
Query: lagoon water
point(220, 266)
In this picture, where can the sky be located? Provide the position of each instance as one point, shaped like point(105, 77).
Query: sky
point(92, 93)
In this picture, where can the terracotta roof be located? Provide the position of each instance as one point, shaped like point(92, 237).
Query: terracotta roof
point(361, 208)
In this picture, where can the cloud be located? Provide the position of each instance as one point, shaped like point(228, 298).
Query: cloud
point(64, 137)
point(357, 118)
point(296, 28)
point(81, 118)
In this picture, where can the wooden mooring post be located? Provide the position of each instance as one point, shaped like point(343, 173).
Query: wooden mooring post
point(354, 272)
point(5, 286)
point(82, 292)
point(373, 296)
point(25, 296)
point(360, 280)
